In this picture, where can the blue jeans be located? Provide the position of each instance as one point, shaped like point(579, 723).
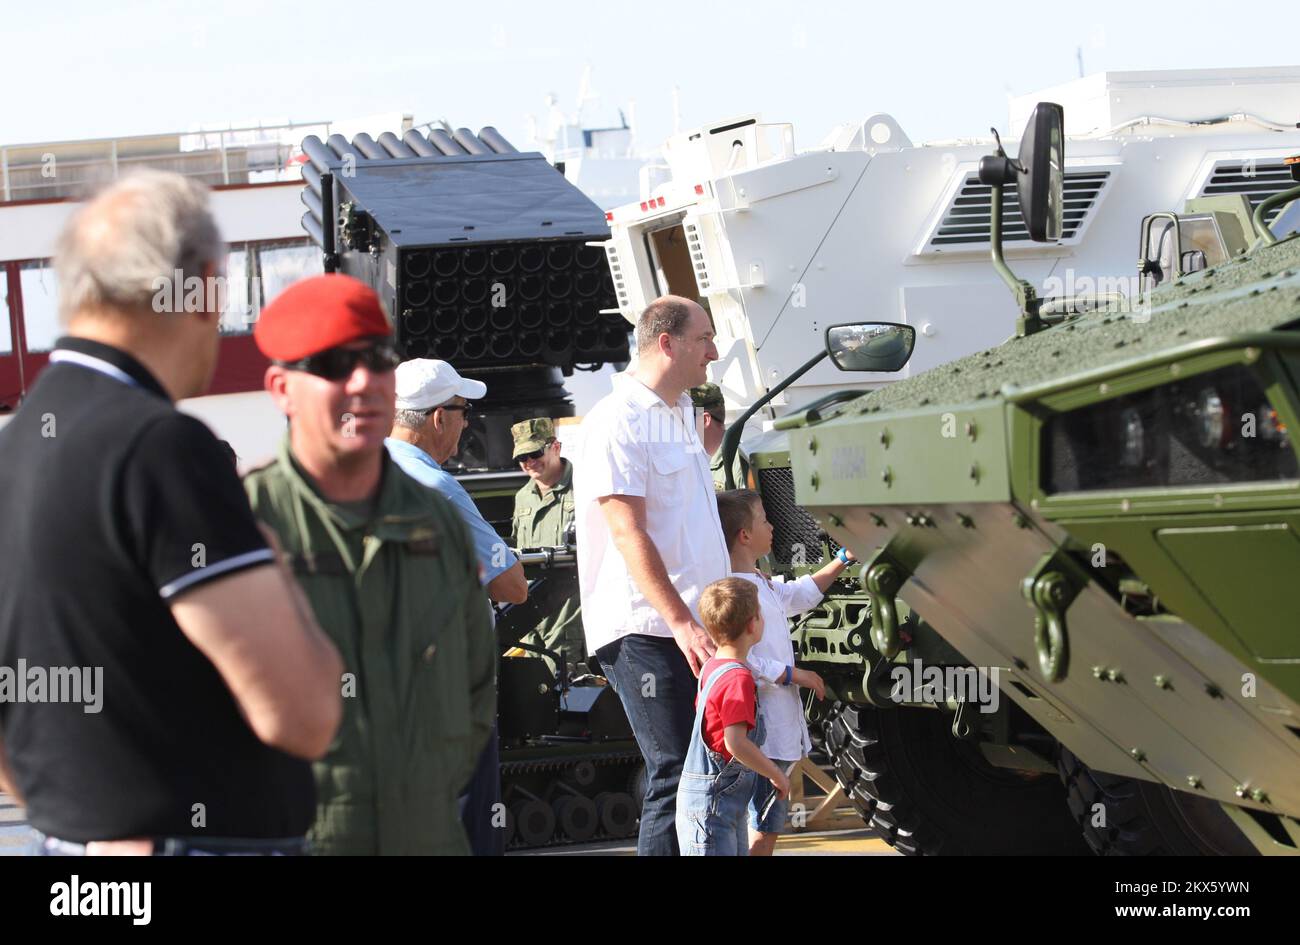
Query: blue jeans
point(777, 810)
point(478, 802)
point(714, 793)
point(661, 722)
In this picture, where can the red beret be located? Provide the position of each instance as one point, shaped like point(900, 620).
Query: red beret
point(319, 313)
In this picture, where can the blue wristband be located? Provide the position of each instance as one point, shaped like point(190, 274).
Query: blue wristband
point(842, 555)
point(789, 674)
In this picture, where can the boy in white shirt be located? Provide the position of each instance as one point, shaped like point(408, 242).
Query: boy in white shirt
point(749, 537)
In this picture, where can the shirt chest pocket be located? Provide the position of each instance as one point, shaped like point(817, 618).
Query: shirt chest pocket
point(673, 474)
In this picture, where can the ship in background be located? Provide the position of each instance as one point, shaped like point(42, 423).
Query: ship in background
point(255, 176)
point(597, 147)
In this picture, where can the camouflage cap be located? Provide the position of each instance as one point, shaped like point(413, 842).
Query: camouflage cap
point(532, 435)
point(708, 397)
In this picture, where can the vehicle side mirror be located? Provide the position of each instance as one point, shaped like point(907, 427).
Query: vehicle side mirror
point(870, 346)
point(1041, 183)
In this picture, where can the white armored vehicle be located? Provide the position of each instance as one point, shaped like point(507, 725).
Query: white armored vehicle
point(779, 243)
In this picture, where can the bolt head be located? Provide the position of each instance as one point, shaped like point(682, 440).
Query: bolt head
point(1099, 672)
point(1138, 755)
point(1194, 782)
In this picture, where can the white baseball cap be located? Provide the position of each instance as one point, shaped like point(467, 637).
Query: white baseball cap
point(423, 383)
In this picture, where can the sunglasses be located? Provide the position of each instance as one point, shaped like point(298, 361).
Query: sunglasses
point(535, 454)
point(466, 409)
point(337, 364)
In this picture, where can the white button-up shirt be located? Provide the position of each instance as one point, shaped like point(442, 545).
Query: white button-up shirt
point(786, 731)
point(635, 444)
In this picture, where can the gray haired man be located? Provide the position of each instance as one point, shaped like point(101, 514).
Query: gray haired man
point(132, 550)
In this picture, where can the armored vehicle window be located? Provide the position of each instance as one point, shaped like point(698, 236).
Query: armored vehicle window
point(1216, 428)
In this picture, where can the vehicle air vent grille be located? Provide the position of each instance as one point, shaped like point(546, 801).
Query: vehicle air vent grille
point(620, 280)
point(966, 223)
point(697, 257)
point(1257, 179)
point(792, 527)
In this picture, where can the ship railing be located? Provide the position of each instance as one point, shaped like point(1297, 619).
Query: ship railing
point(253, 154)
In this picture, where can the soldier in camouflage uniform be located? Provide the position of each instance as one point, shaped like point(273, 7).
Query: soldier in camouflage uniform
point(710, 419)
point(543, 513)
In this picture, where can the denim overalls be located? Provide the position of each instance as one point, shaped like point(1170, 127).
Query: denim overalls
point(713, 796)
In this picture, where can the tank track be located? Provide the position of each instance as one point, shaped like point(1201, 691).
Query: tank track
point(559, 801)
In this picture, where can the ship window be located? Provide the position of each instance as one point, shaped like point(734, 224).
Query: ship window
point(240, 311)
point(40, 296)
point(282, 266)
point(6, 329)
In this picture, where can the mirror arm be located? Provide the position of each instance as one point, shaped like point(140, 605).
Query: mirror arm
point(1029, 321)
point(1261, 228)
point(731, 439)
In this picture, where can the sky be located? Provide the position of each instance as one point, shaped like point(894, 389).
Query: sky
point(78, 69)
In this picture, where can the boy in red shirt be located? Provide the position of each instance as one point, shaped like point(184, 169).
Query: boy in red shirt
point(722, 761)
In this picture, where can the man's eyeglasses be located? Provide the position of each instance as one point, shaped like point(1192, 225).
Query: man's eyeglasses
point(466, 409)
point(337, 364)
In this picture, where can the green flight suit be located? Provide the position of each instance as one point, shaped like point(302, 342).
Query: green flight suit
point(540, 522)
point(397, 591)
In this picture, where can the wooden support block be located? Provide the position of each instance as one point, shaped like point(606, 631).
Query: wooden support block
point(832, 805)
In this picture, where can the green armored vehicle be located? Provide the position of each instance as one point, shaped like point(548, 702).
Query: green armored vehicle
point(1074, 620)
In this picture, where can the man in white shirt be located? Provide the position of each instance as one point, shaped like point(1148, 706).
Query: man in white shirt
point(649, 541)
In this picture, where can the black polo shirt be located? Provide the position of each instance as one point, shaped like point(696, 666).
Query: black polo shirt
point(113, 504)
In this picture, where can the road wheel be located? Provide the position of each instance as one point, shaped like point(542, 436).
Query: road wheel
point(928, 793)
point(1142, 818)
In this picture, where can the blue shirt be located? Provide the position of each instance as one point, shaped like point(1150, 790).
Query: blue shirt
point(493, 551)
